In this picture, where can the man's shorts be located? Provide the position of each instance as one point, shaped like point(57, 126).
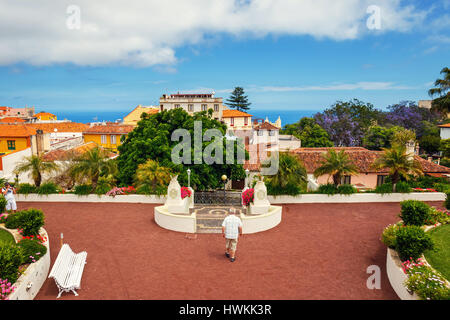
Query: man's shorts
point(231, 244)
point(11, 205)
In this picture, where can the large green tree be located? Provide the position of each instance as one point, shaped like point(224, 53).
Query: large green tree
point(309, 132)
point(442, 90)
point(152, 139)
point(238, 100)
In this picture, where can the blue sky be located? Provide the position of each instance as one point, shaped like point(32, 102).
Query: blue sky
point(282, 66)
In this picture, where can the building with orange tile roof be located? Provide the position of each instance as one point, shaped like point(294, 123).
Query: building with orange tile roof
point(12, 120)
point(135, 115)
point(107, 135)
point(45, 116)
point(16, 137)
point(237, 120)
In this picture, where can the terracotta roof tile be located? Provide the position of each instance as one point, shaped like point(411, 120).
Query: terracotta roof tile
point(12, 120)
point(60, 126)
point(109, 129)
point(64, 155)
point(266, 126)
point(234, 114)
point(16, 130)
point(44, 114)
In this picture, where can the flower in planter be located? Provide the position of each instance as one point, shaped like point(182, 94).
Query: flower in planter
point(248, 197)
point(185, 192)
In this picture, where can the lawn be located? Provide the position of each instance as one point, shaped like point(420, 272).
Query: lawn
point(440, 257)
point(6, 237)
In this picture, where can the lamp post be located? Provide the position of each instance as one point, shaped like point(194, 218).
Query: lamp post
point(189, 177)
point(224, 179)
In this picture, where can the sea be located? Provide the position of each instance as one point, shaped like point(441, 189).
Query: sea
point(286, 116)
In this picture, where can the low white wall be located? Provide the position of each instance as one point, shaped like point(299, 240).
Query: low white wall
point(397, 277)
point(132, 198)
point(35, 275)
point(358, 197)
point(174, 222)
point(263, 222)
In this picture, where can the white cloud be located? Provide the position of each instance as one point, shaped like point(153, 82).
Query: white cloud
point(147, 33)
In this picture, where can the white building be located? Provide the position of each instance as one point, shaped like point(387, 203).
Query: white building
point(445, 131)
point(193, 103)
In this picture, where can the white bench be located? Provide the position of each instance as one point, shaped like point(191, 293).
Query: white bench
point(68, 269)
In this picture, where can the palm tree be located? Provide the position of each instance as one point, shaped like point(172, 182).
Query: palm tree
point(36, 167)
point(291, 171)
point(337, 165)
point(442, 103)
point(150, 176)
point(93, 164)
point(399, 163)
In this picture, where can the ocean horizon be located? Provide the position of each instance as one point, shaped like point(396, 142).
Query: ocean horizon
point(286, 116)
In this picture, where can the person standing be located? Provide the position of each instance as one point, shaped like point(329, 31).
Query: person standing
point(8, 192)
point(231, 229)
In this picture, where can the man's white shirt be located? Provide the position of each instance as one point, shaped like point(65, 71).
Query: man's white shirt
point(232, 224)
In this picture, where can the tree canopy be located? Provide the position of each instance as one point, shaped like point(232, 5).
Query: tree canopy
point(238, 100)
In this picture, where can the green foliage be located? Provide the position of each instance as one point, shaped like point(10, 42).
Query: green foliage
point(2, 204)
point(31, 250)
point(10, 259)
point(403, 187)
point(447, 201)
point(26, 188)
point(291, 173)
point(151, 139)
point(12, 221)
point(309, 132)
point(238, 100)
point(289, 189)
point(384, 188)
point(411, 242)
point(389, 235)
point(378, 137)
point(430, 143)
point(336, 164)
point(36, 167)
point(328, 188)
point(414, 212)
point(6, 237)
point(427, 284)
point(84, 189)
point(444, 146)
point(438, 216)
point(30, 221)
point(104, 184)
point(150, 177)
point(346, 189)
point(48, 188)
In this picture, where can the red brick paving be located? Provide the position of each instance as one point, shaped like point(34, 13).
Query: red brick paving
point(319, 251)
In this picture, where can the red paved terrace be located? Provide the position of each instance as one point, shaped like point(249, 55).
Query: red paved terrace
point(319, 251)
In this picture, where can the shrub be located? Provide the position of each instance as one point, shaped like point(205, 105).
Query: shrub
point(411, 242)
point(447, 201)
point(30, 221)
point(102, 189)
point(248, 197)
point(384, 188)
point(26, 188)
point(403, 187)
point(437, 215)
point(12, 221)
point(2, 204)
point(10, 260)
point(389, 235)
point(83, 189)
point(32, 250)
point(415, 212)
point(328, 188)
point(346, 189)
point(289, 189)
point(48, 188)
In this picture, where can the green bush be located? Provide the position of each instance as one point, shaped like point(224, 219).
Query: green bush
point(411, 242)
point(438, 216)
point(427, 284)
point(289, 189)
point(415, 212)
point(26, 188)
point(2, 204)
point(11, 257)
point(83, 189)
point(31, 250)
point(346, 189)
point(447, 201)
point(48, 188)
point(389, 236)
point(328, 188)
point(384, 188)
point(12, 221)
point(102, 189)
point(403, 187)
point(30, 221)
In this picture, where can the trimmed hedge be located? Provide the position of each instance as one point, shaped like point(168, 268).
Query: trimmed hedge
point(411, 242)
point(415, 212)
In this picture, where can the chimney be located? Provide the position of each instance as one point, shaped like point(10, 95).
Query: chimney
point(39, 142)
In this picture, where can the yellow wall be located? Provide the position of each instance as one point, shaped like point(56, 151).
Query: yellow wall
point(47, 117)
point(98, 140)
point(21, 144)
point(135, 116)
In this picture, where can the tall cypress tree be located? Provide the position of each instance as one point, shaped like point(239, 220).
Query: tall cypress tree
point(238, 100)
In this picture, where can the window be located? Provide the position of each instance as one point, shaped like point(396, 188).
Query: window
point(204, 107)
point(380, 180)
point(272, 133)
point(177, 106)
point(11, 144)
point(216, 107)
point(346, 180)
point(232, 121)
point(103, 139)
point(190, 107)
point(245, 121)
point(260, 133)
point(113, 139)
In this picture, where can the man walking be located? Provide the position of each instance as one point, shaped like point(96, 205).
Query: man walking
point(231, 229)
point(8, 192)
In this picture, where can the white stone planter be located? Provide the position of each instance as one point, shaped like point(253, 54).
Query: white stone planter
point(175, 222)
point(31, 281)
point(397, 277)
point(261, 222)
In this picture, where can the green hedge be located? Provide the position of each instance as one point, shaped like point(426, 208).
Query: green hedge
point(30, 221)
point(411, 242)
point(31, 250)
point(414, 212)
point(11, 257)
